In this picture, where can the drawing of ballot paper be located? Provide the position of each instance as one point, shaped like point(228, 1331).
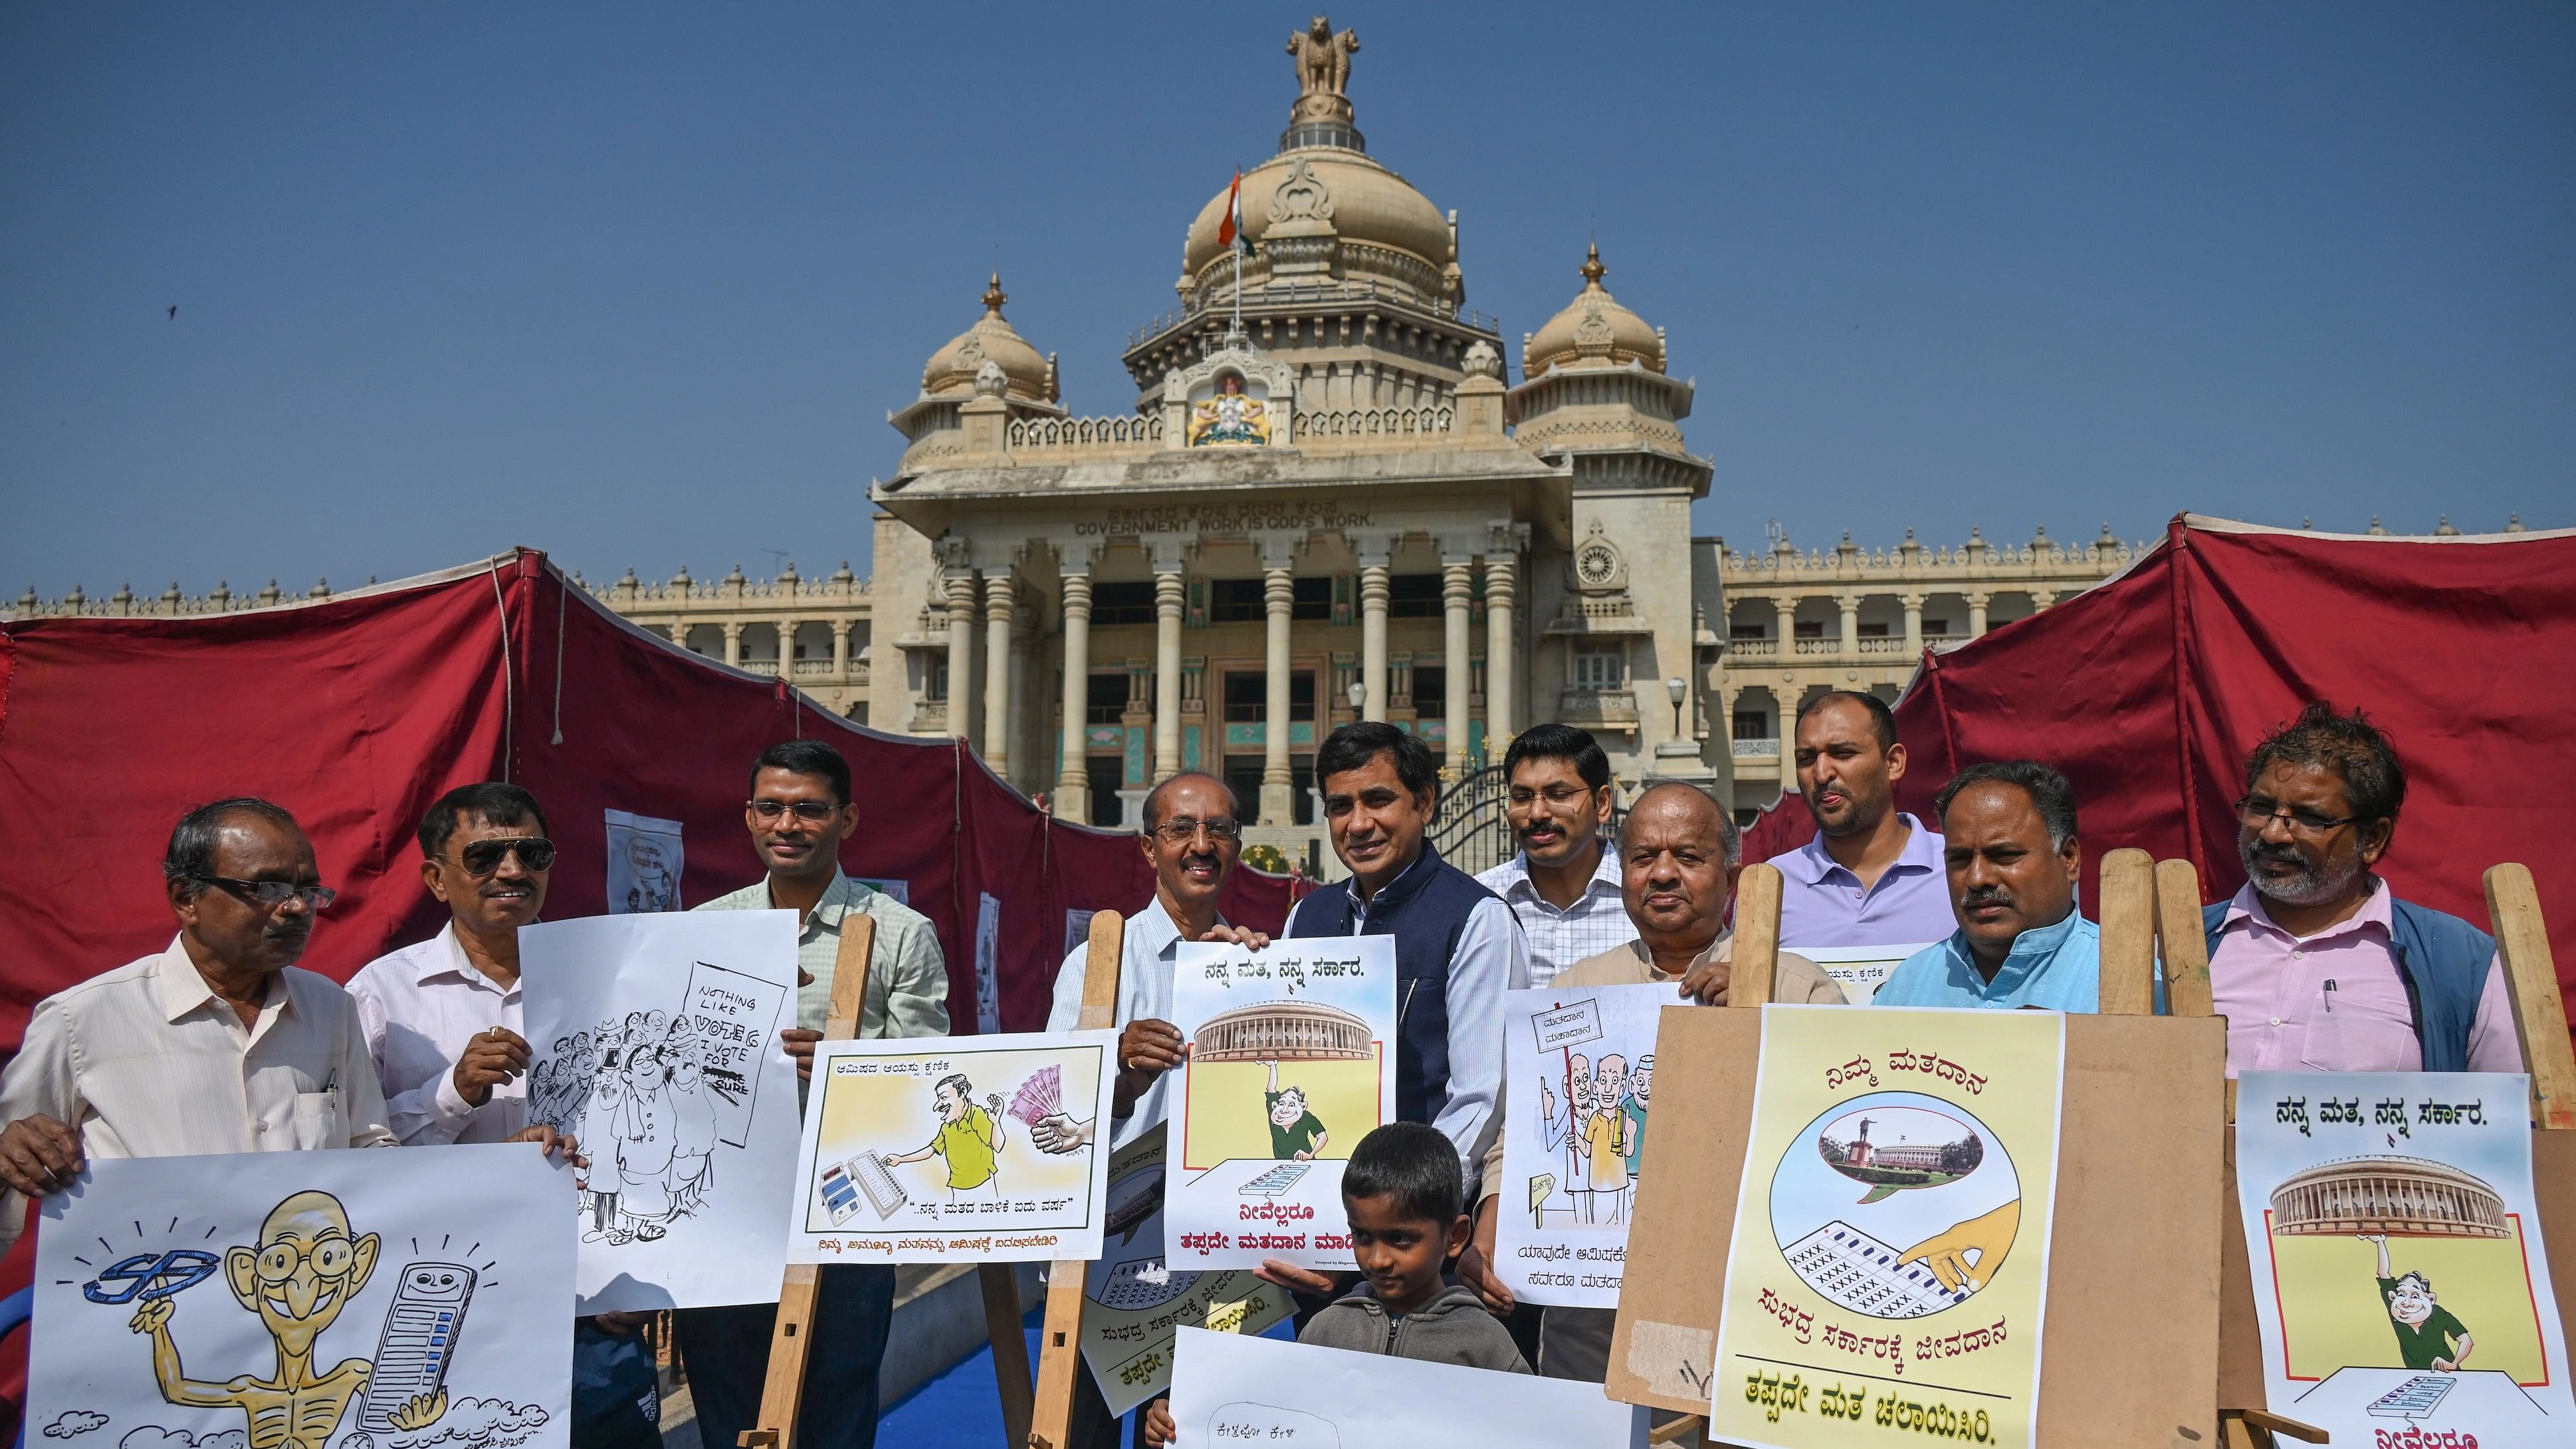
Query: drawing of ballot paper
point(2413, 1399)
point(418, 1341)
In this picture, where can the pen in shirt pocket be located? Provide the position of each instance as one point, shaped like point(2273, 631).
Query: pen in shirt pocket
point(2329, 995)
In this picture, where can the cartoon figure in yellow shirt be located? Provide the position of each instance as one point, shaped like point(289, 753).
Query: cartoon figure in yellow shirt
point(969, 1136)
point(307, 1267)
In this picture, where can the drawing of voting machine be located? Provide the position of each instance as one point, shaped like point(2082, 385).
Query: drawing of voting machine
point(2130, 1339)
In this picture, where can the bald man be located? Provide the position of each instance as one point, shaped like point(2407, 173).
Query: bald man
point(1679, 855)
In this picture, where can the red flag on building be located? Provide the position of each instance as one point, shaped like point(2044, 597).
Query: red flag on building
point(1232, 227)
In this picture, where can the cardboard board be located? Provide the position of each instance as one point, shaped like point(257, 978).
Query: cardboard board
point(2131, 1355)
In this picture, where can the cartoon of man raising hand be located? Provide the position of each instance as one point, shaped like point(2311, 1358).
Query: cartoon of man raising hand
point(305, 1270)
point(2425, 1329)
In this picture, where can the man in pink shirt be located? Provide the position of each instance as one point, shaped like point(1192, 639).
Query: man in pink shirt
point(2316, 964)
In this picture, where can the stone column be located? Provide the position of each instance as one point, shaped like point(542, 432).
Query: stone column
point(733, 645)
point(1373, 556)
point(1073, 779)
point(1913, 625)
point(841, 648)
point(1976, 614)
point(1167, 669)
point(786, 648)
point(1457, 595)
point(1851, 623)
point(2041, 599)
point(680, 632)
point(997, 671)
point(1278, 598)
point(961, 651)
point(1500, 661)
point(1788, 610)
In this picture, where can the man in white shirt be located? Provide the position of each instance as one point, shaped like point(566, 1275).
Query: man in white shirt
point(217, 1044)
point(1563, 887)
point(443, 1017)
point(1194, 840)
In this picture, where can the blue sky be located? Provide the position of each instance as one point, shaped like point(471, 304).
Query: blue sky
point(638, 284)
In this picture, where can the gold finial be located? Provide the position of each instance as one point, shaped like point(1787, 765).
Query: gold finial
point(994, 296)
point(1593, 271)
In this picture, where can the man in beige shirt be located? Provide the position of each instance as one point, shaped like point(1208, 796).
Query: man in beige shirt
point(217, 1044)
point(1679, 855)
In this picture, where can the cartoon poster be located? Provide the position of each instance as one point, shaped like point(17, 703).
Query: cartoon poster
point(655, 1041)
point(307, 1300)
point(1578, 1075)
point(1858, 970)
point(1890, 1258)
point(1133, 1301)
point(2399, 1276)
point(1230, 1389)
point(645, 862)
point(1291, 1064)
point(985, 1149)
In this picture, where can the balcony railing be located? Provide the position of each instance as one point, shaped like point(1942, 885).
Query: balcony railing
point(1753, 648)
point(1819, 646)
point(1871, 644)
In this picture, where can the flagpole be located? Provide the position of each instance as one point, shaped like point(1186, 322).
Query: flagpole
point(1236, 201)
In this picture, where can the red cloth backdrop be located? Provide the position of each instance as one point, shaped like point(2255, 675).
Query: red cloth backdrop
point(358, 711)
point(2149, 690)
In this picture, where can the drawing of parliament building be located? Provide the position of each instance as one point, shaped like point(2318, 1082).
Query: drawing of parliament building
point(2399, 1196)
point(1283, 1031)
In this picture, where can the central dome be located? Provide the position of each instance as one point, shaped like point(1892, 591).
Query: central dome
point(1364, 203)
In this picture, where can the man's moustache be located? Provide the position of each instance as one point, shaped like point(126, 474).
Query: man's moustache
point(1191, 862)
point(1977, 898)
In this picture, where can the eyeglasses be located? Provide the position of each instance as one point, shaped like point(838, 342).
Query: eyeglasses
point(1554, 794)
point(268, 895)
point(2259, 811)
point(484, 856)
point(1183, 829)
point(332, 1257)
point(812, 812)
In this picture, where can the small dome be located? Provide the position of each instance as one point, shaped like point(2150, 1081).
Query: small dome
point(1364, 201)
point(1593, 331)
point(991, 340)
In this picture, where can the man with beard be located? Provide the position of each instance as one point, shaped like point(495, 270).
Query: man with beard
point(2011, 857)
point(1193, 838)
point(217, 1044)
point(1564, 885)
point(1872, 875)
point(798, 814)
point(2315, 963)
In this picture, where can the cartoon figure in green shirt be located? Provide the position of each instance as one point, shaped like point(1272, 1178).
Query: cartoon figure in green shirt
point(969, 1136)
point(2425, 1329)
point(1295, 1133)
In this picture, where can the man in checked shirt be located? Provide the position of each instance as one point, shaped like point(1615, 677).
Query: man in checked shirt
point(1563, 887)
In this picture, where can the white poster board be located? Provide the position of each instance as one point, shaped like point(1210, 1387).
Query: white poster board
point(645, 862)
point(1291, 1063)
point(1578, 1076)
point(2399, 1276)
point(654, 1040)
point(983, 1149)
point(1133, 1301)
point(1229, 1390)
point(341, 1299)
point(1858, 970)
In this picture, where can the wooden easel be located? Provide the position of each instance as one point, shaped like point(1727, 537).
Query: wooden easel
point(2540, 1018)
point(2141, 1116)
point(1050, 1421)
point(791, 1342)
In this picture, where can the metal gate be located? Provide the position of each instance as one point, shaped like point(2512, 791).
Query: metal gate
point(1469, 828)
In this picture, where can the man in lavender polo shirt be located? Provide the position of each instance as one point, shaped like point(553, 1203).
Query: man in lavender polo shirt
point(1873, 874)
point(2316, 964)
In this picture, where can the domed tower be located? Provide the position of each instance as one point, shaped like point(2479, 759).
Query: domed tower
point(1344, 269)
point(1593, 382)
point(949, 380)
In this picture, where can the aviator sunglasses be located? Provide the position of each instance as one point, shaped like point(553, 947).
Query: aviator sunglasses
point(484, 856)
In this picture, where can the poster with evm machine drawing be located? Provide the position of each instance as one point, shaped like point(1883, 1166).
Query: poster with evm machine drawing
point(1889, 1262)
point(2399, 1275)
point(981, 1149)
point(1290, 1065)
point(654, 1040)
point(1578, 1077)
point(1231, 1389)
point(1133, 1301)
point(306, 1300)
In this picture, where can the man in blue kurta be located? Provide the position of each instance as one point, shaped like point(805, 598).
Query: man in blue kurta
point(2009, 849)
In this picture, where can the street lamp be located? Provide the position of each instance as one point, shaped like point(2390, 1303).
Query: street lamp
point(1357, 693)
point(1679, 690)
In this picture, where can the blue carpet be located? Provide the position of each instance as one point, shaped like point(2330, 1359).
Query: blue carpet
point(961, 1409)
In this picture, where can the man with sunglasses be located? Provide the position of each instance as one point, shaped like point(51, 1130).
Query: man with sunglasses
point(443, 1017)
point(798, 813)
point(217, 1044)
point(2315, 963)
point(1193, 838)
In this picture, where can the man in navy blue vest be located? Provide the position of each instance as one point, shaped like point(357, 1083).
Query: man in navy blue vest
point(2316, 964)
point(1457, 948)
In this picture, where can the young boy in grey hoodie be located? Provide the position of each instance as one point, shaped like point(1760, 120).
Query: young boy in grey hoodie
point(1406, 1205)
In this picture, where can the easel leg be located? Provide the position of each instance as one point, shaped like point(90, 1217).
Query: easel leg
point(1001, 1286)
point(782, 1393)
point(1059, 1357)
